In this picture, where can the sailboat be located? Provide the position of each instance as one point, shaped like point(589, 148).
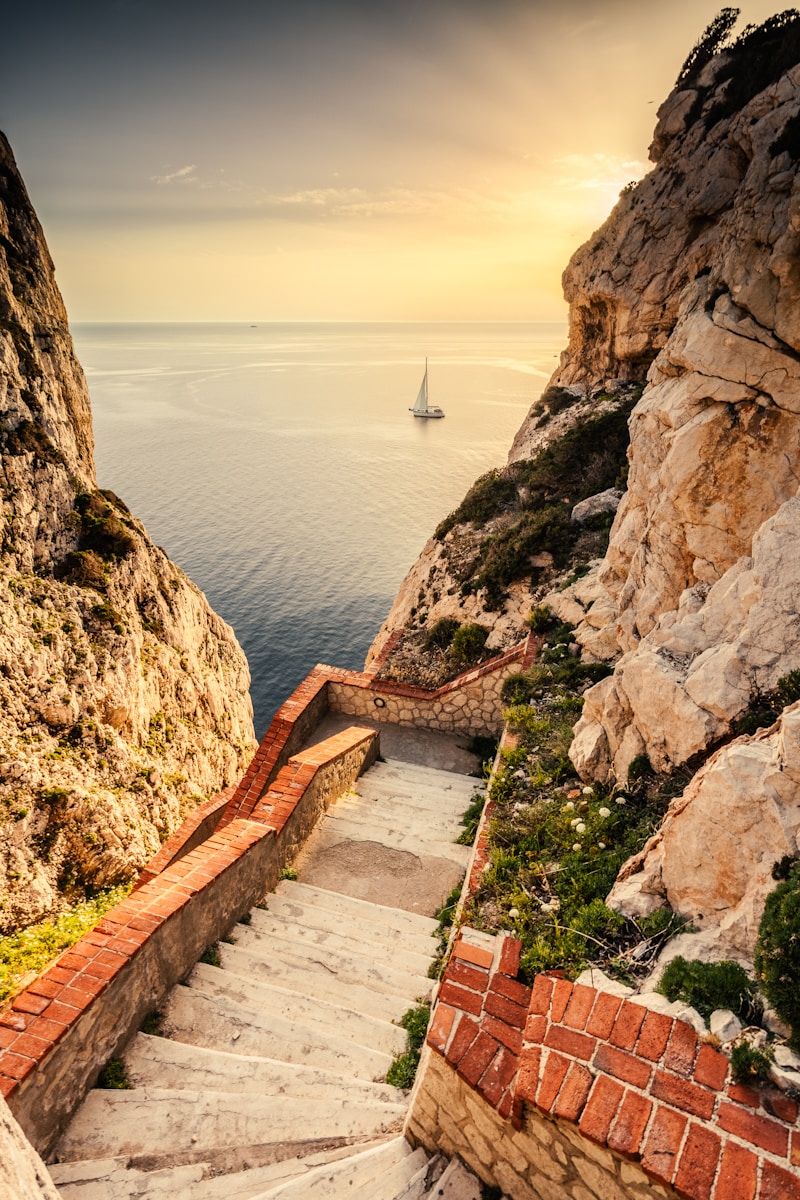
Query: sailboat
point(421, 407)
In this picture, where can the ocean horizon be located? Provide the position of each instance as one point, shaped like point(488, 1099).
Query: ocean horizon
point(279, 467)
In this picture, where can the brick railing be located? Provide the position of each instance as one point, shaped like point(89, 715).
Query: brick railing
point(627, 1094)
point(58, 1033)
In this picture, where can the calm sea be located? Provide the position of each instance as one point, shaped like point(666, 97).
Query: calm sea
point(280, 467)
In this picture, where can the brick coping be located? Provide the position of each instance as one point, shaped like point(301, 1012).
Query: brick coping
point(637, 1082)
point(40, 1016)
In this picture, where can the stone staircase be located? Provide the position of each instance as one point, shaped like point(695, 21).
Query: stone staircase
point(265, 1077)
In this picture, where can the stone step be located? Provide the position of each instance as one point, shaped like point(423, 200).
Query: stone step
point(161, 1122)
point(392, 953)
point(417, 793)
point(320, 1016)
point(393, 768)
point(163, 1063)
point(391, 832)
point(427, 822)
point(222, 1024)
point(295, 975)
point(355, 925)
point(422, 1183)
point(120, 1179)
point(399, 919)
point(257, 954)
point(357, 1176)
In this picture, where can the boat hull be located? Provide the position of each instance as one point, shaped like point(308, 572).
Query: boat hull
point(430, 415)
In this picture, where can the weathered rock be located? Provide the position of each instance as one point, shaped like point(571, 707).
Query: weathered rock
point(712, 858)
point(23, 1175)
point(123, 697)
point(596, 506)
point(725, 1025)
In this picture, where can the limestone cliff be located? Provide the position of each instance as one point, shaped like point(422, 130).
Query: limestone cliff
point(123, 697)
point(690, 290)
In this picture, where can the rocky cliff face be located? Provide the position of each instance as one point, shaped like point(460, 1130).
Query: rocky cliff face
point(123, 697)
point(692, 289)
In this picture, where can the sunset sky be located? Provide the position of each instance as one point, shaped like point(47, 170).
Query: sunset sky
point(327, 160)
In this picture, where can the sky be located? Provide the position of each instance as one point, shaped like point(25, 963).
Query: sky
point(332, 160)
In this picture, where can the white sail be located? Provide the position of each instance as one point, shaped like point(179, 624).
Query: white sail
point(421, 403)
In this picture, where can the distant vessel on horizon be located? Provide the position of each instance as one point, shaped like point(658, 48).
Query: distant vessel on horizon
point(421, 407)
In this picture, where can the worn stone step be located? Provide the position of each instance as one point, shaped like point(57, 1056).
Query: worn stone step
point(221, 1024)
point(295, 974)
point(457, 1182)
point(427, 823)
point(348, 1177)
point(159, 1122)
point(417, 793)
point(295, 1006)
point(390, 832)
point(394, 952)
point(393, 768)
point(399, 919)
point(121, 1179)
point(375, 931)
point(164, 1063)
point(257, 953)
point(422, 1183)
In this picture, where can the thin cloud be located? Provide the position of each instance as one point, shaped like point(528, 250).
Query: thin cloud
point(182, 175)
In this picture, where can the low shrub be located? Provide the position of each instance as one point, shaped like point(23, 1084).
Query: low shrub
point(777, 957)
point(749, 1064)
point(468, 644)
point(440, 634)
point(114, 1076)
point(709, 986)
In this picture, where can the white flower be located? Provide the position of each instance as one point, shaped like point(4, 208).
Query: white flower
point(513, 913)
point(576, 847)
point(620, 800)
point(587, 791)
point(569, 806)
point(601, 845)
point(574, 822)
point(604, 812)
point(580, 827)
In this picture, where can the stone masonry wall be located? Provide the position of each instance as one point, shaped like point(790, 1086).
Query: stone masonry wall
point(58, 1033)
point(564, 1091)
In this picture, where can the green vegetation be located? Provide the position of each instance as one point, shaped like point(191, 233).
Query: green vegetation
point(86, 569)
point(101, 527)
point(211, 956)
point(709, 986)
point(777, 957)
point(765, 707)
point(440, 634)
point(34, 948)
point(471, 820)
point(535, 498)
point(750, 1065)
point(151, 1024)
point(415, 1022)
point(556, 845)
point(468, 644)
point(289, 873)
point(114, 1075)
point(710, 43)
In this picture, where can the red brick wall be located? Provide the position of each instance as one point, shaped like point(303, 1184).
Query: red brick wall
point(57, 1033)
point(636, 1082)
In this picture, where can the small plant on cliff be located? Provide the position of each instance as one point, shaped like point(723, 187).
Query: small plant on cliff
point(468, 644)
point(749, 1064)
point(777, 957)
point(211, 956)
point(415, 1022)
point(709, 986)
point(440, 634)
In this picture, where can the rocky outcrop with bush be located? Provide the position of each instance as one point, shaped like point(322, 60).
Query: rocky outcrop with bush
point(679, 393)
point(123, 697)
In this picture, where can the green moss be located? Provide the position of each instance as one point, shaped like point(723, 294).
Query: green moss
point(114, 1076)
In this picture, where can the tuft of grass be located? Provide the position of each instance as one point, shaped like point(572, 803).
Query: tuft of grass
point(211, 956)
point(471, 820)
point(114, 1076)
point(151, 1024)
point(749, 1064)
point(289, 873)
point(404, 1068)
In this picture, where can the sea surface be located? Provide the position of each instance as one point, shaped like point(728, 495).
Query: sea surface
point(279, 465)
